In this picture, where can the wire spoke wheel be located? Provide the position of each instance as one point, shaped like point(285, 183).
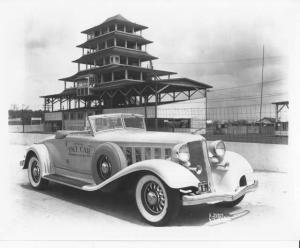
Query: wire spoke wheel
point(156, 202)
point(35, 171)
point(35, 174)
point(153, 198)
point(104, 167)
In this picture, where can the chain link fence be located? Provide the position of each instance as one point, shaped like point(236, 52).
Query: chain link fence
point(240, 123)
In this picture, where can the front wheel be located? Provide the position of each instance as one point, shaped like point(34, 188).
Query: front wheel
point(157, 203)
point(35, 174)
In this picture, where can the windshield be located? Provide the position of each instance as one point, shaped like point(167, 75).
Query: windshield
point(134, 122)
point(105, 123)
point(101, 123)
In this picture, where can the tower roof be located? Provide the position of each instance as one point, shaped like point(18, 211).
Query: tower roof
point(115, 19)
point(164, 86)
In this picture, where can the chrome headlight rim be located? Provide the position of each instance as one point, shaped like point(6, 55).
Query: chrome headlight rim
point(218, 149)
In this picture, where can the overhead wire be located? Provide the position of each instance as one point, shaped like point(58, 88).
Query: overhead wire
point(223, 61)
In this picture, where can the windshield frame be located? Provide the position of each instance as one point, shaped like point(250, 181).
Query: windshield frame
point(92, 118)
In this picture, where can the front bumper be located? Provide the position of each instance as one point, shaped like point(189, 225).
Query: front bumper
point(211, 198)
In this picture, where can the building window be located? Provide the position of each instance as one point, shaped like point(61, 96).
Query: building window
point(131, 45)
point(118, 75)
point(120, 43)
point(107, 77)
point(111, 27)
point(110, 43)
point(66, 116)
point(128, 155)
point(73, 115)
point(135, 75)
point(147, 153)
point(157, 153)
point(80, 115)
point(106, 60)
point(138, 154)
point(133, 61)
point(129, 29)
point(91, 80)
point(100, 62)
point(168, 152)
point(120, 27)
point(114, 59)
point(101, 45)
point(122, 60)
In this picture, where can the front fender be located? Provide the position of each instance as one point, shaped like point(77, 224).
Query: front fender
point(174, 175)
point(227, 179)
point(41, 151)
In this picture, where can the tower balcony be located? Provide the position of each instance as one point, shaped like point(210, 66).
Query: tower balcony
point(117, 67)
point(98, 40)
point(100, 55)
point(100, 45)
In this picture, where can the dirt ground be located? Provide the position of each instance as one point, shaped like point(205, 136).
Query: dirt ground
point(63, 213)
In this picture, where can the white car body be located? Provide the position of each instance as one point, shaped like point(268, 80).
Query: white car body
point(72, 158)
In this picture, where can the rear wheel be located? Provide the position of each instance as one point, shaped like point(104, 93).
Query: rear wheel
point(35, 174)
point(157, 203)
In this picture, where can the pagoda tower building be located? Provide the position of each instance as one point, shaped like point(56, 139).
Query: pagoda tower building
point(116, 74)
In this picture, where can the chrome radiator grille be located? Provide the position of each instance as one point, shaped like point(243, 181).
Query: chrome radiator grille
point(199, 159)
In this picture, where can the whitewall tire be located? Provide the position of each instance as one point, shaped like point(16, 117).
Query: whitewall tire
point(35, 174)
point(157, 203)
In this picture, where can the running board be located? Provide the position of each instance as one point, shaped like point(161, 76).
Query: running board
point(68, 181)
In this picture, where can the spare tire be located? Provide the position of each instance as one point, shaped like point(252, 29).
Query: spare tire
point(108, 159)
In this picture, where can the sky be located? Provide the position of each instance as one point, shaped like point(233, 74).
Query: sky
point(215, 42)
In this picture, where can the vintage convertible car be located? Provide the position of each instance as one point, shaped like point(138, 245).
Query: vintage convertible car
point(167, 170)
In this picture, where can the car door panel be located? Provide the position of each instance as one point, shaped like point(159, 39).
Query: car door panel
point(79, 155)
point(57, 151)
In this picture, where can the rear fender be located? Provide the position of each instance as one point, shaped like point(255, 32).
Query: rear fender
point(174, 175)
point(41, 151)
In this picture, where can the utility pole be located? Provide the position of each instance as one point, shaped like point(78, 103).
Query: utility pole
point(206, 90)
point(261, 90)
point(23, 117)
point(155, 110)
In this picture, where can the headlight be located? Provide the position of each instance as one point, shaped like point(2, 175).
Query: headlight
point(184, 153)
point(218, 149)
point(181, 153)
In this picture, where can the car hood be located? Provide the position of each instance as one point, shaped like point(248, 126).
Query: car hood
point(141, 136)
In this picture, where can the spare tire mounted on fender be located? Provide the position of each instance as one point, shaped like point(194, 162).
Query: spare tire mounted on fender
point(107, 161)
